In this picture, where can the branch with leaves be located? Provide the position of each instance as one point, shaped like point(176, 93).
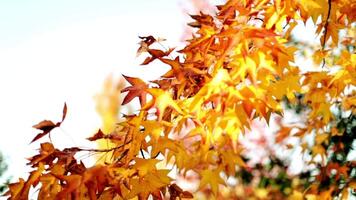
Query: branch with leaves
point(238, 66)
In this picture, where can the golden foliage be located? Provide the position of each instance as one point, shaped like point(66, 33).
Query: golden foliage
point(238, 66)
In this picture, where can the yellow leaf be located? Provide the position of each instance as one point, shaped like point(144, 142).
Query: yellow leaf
point(314, 7)
point(162, 144)
point(272, 20)
point(320, 138)
point(318, 150)
point(296, 195)
point(154, 128)
point(161, 100)
point(145, 166)
point(211, 177)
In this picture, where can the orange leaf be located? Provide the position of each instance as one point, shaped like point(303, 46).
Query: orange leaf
point(98, 135)
point(46, 126)
point(211, 177)
point(155, 54)
point(137, 89)
point(161, 100)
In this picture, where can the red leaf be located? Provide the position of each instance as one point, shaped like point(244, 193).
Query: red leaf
point(137, 89)
point(145, 43)
point(97, 136)
point(156, 54)
point(47, 126)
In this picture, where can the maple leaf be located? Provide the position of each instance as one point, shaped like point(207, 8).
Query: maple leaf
point(73, 183)
point(46, 126)
point(211, 177)
point(156, 54)
point(162, 144)
point(314, 8)
point(146, 41)
point(318, 150)
point(20, 190)
point(176, 192)
point(137, 89)
point(46, 152)
point(183, 74)
point(50, 186)
point(149, 184)
point(15, 190)
point(282, 134)
point(145, 166)
point(201, 20)
point(98, 135)
point(231, 159)
point(161, 100)
point(95, 179)
point(154, 128)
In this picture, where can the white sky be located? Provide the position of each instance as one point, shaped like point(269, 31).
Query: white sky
point(53, 52)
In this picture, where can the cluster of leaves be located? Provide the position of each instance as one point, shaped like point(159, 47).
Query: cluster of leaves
point(273, 180)
point(339, 173)
point(237, 67)
point(336, 173)
point(268, 181)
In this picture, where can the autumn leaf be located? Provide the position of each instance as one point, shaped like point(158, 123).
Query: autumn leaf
point(154, 128)
point(73, 183)
point(145, 166)
point(98, 135)
point(201, 19)
point(282, 134)
point(46, 126)
point(162, 144)
point(20, 190)
point(137, 89)
point(176, 192)
point(242, 65)
point(15, 190)
point(150, 184)
point(161, 100)
point(46, 151)
point(145, 43)
point(211, 178)
point(314, 8)
point(156, 54)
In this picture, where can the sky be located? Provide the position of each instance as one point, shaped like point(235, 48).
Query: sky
point(53, 52)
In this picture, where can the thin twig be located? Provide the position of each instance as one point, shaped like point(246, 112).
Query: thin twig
point(101, 157)
point(87, 155)
point(105, 150)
